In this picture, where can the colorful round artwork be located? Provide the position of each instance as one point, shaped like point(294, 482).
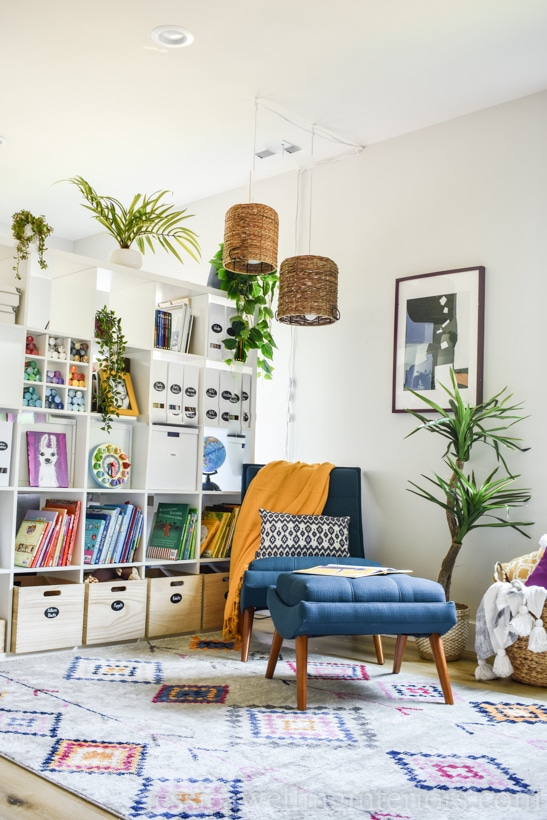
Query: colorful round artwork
point(110, 465)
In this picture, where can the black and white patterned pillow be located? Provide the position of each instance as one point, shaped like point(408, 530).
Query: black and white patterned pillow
point(282, 534)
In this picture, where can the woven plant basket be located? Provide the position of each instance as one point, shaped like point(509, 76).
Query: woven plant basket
point(528, 667)
point(454, 641)
point(308, 291)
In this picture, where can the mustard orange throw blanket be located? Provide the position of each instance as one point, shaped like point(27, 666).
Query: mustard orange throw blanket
point(280, 486)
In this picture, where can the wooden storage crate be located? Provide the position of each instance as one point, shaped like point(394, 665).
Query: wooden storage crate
point(48, 613)
point(174, 603)
point(215, 591)
point(115, 611)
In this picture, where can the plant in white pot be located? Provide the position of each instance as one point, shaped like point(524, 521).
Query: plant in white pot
point(147, 221)
point(467, 502)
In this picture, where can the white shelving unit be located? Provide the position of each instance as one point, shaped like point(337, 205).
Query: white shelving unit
point(57, 316)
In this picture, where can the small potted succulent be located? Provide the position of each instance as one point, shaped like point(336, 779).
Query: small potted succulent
point(147, 221)
point(29, 230)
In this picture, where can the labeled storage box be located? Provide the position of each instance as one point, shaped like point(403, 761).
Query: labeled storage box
point(115, 611)
point(215, 592)
point(174, 603)
point(47, 614)
point(173, 458)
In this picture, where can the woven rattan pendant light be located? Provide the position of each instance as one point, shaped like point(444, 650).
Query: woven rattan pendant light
point(308, 285)
point(250, 239)
point(251, 232)
point(308, 291)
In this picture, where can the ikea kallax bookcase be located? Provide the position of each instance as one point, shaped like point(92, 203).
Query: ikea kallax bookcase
point(50, 608)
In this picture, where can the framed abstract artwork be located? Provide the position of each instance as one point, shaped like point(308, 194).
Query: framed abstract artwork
point(439, 327)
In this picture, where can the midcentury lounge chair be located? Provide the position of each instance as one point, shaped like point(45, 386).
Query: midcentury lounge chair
point(344, 499)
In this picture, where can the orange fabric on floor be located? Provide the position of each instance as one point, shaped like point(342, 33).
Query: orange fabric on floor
point(280, 486)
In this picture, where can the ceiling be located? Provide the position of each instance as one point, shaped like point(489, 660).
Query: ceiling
point(85, 91)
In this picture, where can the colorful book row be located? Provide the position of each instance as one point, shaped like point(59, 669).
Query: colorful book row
point(173, 535)
point(46, 537)
point(218, 524)
point(112, 533)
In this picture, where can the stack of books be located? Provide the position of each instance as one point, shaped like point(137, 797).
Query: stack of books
point(46, 537)
point(173, 534)
point(9, 302)
point(173, 324)
point(218, 523)
point(112, 533)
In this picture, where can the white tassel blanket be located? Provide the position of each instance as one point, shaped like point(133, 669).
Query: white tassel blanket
point(507, 611)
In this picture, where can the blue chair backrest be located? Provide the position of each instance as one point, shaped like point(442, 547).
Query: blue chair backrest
point(344, 498)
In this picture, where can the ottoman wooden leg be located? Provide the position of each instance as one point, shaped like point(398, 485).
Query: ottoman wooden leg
point(277, 642)
point(400, 645)
point(379, 649)
point(442, 669)
point(301, 647)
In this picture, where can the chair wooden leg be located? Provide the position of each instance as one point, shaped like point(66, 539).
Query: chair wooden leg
point(400, 646)
point(246, 632)
point(277, 642)
point(437, 649)
point(379, 649)
point(301, 647)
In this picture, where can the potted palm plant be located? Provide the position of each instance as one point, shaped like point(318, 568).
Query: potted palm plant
point(29, 230)
point(251, 326)
point(469, 503)
point(147, 221)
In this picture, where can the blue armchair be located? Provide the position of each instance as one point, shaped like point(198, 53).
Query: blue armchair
point(344, 499)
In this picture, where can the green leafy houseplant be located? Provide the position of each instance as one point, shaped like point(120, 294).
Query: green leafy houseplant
point(147, 220)
point(111, 360)
point(467, 502)
point(251, 327)
point(28, 229)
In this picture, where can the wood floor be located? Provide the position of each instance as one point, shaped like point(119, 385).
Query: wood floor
point(24, 795)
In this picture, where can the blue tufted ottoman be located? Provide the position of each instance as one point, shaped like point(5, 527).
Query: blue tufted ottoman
point(302, 606)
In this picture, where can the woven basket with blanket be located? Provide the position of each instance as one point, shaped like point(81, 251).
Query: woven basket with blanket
point(531, 569)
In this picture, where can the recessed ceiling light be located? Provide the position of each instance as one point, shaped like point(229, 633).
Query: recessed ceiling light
point(172, 36)
point(3, 140)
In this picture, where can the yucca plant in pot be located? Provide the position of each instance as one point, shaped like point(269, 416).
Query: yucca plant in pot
point(469, 503)
point(147, 221)
point(251, 327)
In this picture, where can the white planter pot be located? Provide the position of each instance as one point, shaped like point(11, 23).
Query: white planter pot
point(127, 257)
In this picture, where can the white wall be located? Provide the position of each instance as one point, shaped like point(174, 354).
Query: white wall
point(472, 191)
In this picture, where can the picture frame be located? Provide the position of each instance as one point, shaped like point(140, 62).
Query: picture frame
point(128, 401)
point(438, 327)
point(47, 458)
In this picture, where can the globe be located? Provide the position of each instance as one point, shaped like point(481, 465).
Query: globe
point(214, 456)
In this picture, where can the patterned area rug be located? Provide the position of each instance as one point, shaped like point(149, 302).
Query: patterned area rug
point(180, 728)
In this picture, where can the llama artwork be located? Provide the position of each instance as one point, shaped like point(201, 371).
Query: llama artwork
point(47, 459)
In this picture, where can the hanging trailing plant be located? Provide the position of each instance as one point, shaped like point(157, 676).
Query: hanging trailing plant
point(250, 328)
point(28, 229)
point(112, 366)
